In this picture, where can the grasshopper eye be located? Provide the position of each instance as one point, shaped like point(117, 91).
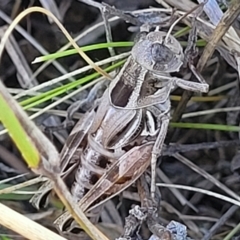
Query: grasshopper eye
point(161, 54)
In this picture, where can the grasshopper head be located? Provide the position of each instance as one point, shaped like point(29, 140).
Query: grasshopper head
point(158, 54)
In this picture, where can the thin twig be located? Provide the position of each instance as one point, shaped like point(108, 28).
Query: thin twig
point(227, 20)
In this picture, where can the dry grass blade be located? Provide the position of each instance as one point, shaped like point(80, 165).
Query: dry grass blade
point(199, 190)
point(33, 42)
point(22, 185)
point(175, 192)
point(51, 6)
point(24, 226)
point(83, 35)
point(23, 69)
point(206, 175)
point(12, 178)
point(212, 111)
point(223, 26)
point(42, 10)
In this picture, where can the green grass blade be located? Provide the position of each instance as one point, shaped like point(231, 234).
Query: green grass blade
point(17, 196)
point(18, 134)
point(5, 238)
point(84, 49)
point(36, 100)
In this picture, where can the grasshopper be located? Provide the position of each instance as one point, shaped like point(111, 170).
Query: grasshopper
point(114, 143)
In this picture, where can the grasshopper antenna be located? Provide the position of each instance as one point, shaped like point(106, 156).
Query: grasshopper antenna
point(182, 17)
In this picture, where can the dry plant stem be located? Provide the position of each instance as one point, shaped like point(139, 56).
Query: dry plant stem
point(226, 21)
point(65, 196)
point(44, 11)
point(228, 18)
point(24, 226)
